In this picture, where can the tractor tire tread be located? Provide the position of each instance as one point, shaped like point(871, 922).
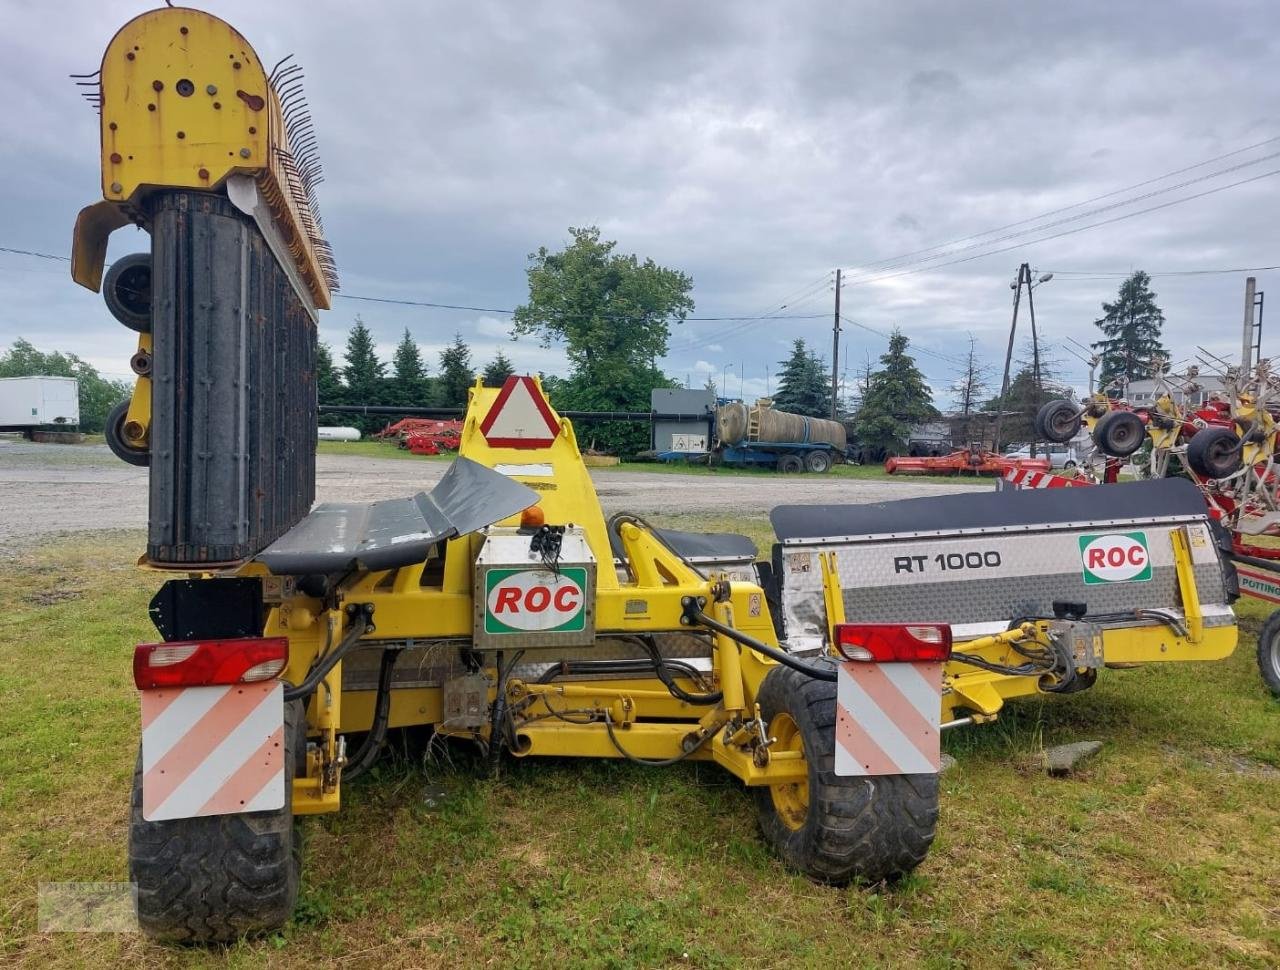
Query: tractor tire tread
point(865, 830)
point(1268, 657)
point(216, 878)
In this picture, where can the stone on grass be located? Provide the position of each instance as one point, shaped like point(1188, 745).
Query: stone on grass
point(1062, 760)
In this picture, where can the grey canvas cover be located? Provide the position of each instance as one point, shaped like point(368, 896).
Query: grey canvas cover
point(337, 537)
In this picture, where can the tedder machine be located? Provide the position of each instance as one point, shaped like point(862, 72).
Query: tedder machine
point(503, 608)
point(1226, 446)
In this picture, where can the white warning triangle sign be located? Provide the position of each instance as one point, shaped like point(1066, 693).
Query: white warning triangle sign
point(520, 417)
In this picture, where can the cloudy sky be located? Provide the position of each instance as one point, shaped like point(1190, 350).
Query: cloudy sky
point(756, 146)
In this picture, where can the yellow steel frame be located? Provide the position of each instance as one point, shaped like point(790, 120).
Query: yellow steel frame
point(646, 720)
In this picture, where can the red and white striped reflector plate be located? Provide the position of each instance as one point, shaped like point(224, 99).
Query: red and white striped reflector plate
point(887, 718)
point(212, 750)
point(1025, 478)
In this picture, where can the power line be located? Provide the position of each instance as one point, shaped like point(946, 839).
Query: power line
point(1067, 232)
point(920, 349)
point(1082, 215)
point(1075, 205)
point(28, 252)
point(602, 316)
point(479, 309)
point(1089, 274)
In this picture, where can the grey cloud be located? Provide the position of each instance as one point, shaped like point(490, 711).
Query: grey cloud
point(755, 146)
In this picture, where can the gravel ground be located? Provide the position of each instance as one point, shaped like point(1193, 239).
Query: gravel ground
point(49, 489)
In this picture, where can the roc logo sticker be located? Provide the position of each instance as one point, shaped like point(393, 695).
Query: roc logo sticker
point(1117, 557)
point(523, 600)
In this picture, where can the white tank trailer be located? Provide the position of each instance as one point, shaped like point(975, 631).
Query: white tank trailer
point(338, 434)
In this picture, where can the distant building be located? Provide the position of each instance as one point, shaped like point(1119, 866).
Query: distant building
point(1197, 392)
point(931, 438)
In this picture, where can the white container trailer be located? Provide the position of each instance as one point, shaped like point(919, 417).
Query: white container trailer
point(38, 402)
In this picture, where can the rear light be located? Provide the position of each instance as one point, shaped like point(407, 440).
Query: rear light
point(894, 642)
point(200, 663)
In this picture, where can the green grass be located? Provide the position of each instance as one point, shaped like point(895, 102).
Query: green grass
point(375, 449)
point(388, 449)
point(1162, 852)
point(859, 472)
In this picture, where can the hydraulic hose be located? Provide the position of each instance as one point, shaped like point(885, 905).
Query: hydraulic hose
point(694, 614)
point(498, 719)
point(361, 616)
point(367, 753)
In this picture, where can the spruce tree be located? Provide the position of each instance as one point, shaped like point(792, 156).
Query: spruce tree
point(896, 400)
point(498, 370)
point(1132, 326)
point(329, 389)
point(456, 374)
point(364, 373)
point(410, 386)
point(803, 384)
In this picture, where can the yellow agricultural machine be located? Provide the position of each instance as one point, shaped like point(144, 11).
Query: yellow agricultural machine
point(503, 609)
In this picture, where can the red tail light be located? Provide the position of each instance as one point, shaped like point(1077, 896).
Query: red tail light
point(200, 663)
point(894, 642)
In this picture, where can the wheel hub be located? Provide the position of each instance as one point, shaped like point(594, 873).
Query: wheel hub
point(790, 801)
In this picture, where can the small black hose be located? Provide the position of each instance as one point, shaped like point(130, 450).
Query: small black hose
point(695, 615)
point(650, 762)
point(498, 718)
point(361, 623)
point(675, 690)
point(367, 753)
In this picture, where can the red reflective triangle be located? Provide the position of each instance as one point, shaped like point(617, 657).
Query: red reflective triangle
point(520, 417)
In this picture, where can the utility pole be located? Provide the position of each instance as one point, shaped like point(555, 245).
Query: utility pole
point(1246, 348)
point(1008, 359)
point(835, 352)
point(1035, 339)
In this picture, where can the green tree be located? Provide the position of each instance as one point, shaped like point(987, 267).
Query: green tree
point(613, 314)
point(410, 386)
point(456, 374)
point(895, 400)
point(364, 373)
point(804, 386)
point(97, 394)
point(498, 370)
point(365, 377)
point(329, 389)
point(1131, 327)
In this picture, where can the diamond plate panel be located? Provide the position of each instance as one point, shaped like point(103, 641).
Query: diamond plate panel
point(983, 578)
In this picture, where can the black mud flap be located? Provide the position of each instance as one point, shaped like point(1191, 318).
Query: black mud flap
point(208, 609)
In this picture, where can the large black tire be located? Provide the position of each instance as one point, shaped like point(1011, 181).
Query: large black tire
point(818, 461)
point(127, 290)
point(1214, 452)
point(114, 432)
point(1119, 433)
point(1058, 421)
point(221, 877)
point(790, 464)
point(839, 829)
point(1269, 653)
